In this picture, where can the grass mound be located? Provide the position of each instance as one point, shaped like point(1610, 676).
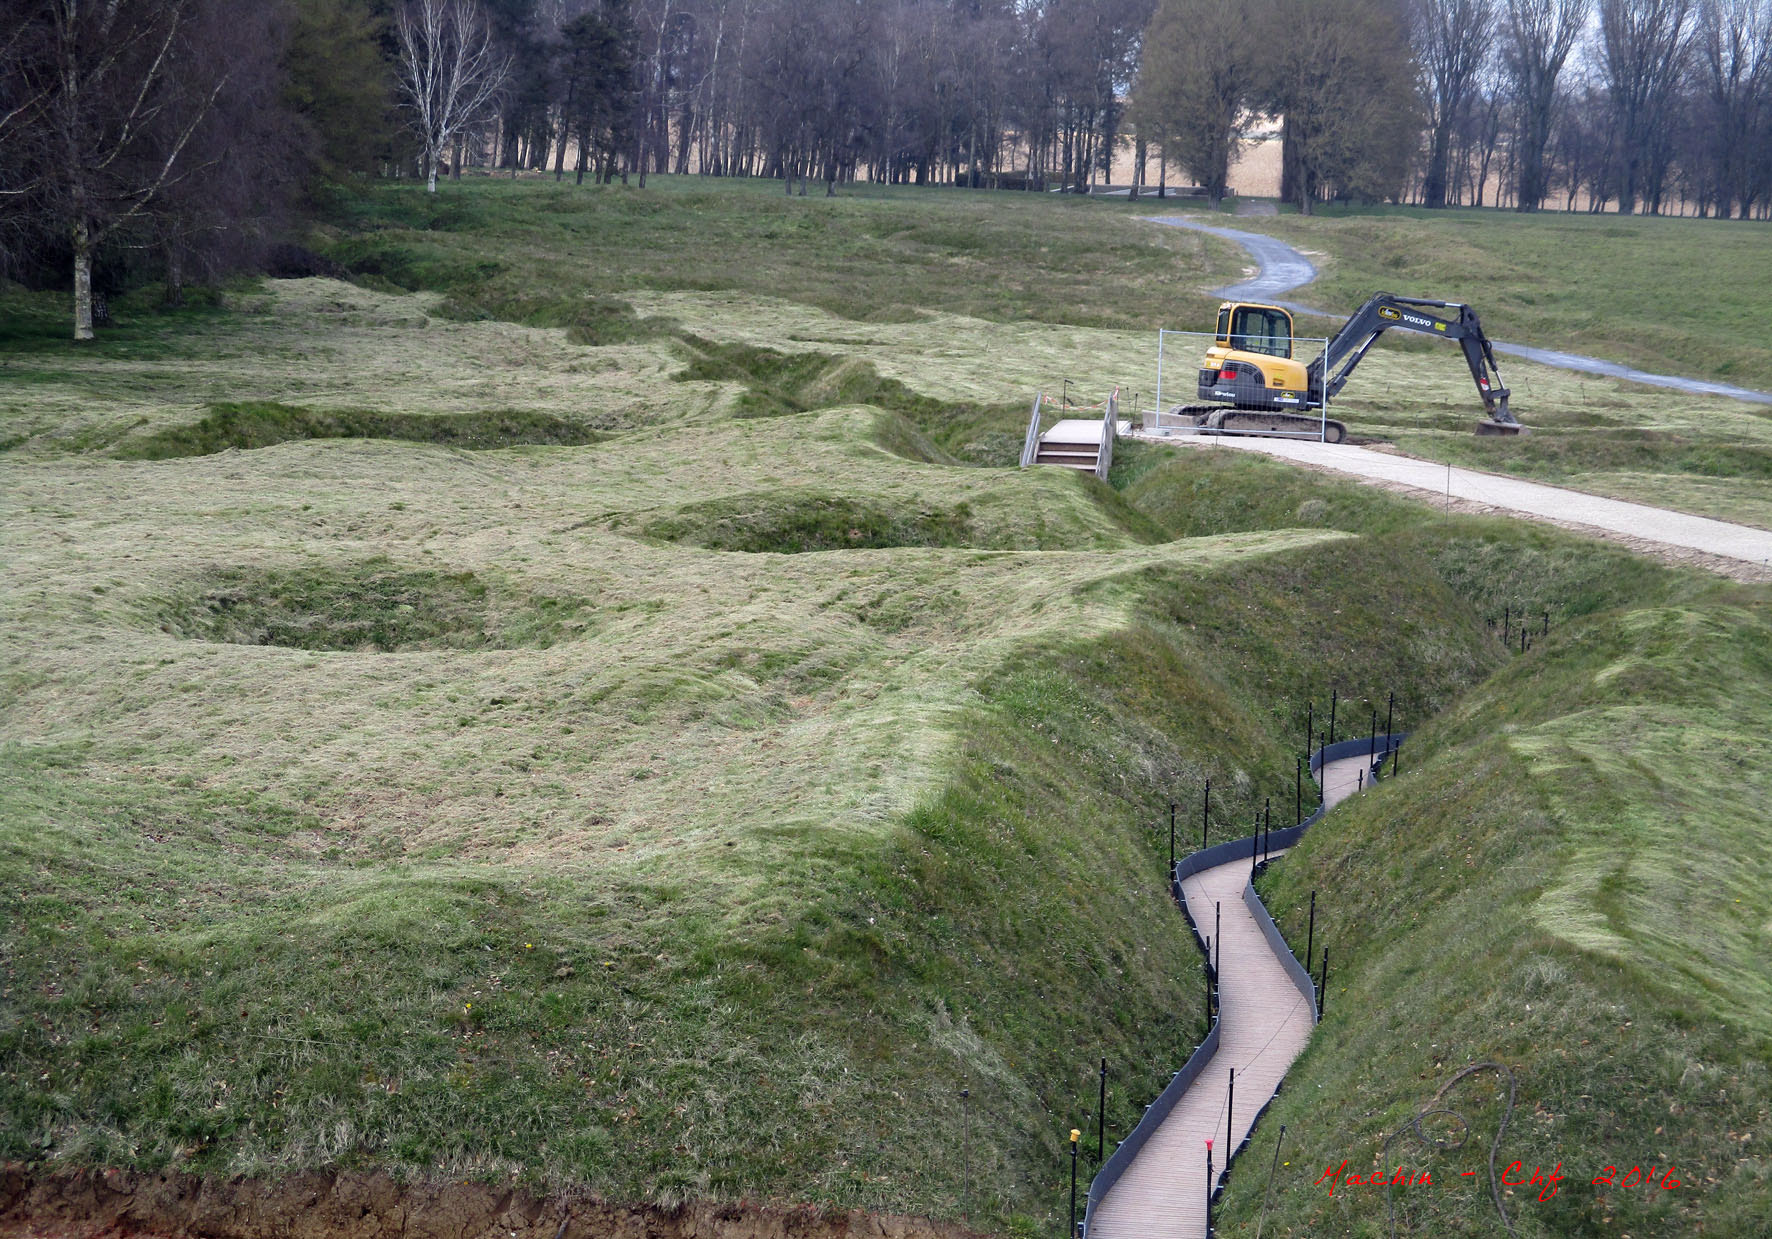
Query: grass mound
point(776, 383)
point(1591, 820)
point(251, 424)
point(368, 606)
point(795, 523)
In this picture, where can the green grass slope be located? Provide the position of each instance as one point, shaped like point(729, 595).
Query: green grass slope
point(1570, 878)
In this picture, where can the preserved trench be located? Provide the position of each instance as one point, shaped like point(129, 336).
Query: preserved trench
point(1157, 1185)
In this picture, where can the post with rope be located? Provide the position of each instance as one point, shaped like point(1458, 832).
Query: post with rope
point(1208, 1186)
point(1205, 815)
point(1310, 933)
point(1075, 1136)
point(1172, 841)
point(1230, 1110)
point(1101, 1117)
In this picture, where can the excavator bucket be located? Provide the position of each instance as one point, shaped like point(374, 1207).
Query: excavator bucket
point(1490, 427)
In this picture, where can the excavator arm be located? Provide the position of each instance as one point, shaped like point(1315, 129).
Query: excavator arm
point(1329, 373)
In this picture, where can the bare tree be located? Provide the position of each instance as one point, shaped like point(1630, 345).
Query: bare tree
point(1540, 35)
point(122, 96)
point(23, 95)
point(1453, 40)
point(450, 73)
point(1735, 73)
point(1642, 56)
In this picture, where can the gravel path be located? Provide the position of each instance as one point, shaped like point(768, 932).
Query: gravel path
point(1284, 269)
point(1633, 523)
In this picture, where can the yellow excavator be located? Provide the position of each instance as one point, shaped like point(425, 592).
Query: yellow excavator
point(1257, 387)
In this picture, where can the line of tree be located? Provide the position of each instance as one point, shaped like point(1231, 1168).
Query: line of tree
point(1585, 104)
point(978, 92)
point(178, 135)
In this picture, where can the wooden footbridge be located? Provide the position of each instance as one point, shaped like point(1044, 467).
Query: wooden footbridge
point(1084, 444)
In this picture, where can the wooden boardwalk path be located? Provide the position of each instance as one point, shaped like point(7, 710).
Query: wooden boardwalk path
point(1264, 1023)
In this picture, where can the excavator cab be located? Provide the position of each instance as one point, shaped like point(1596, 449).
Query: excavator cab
point(1265, 329)
point(1250, 364)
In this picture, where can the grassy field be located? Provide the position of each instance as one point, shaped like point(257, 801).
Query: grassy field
point(1673, 296)
point(605, 716)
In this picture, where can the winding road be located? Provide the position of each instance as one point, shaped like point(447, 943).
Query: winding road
point(1284, 269)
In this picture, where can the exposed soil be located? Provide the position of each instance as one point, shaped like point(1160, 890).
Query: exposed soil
point(328, 1205)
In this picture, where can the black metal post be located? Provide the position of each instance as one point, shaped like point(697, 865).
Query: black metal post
point(1230, 1109)
point(1205, 814)
point(1507, 619)
point(1310, 933)
point(1310, 726)
point(1267, 823)
point(1298, 792)
point(1075, 1135)
point(1208, 1187)
point(1101, 1117)
point(1390, 710)
point(1522, 638)
point(1547, 623)
point(1217, 935)
point(1255, 848)
point(1323, 986)
point(1359, 780)
point(1334, 699)
point(1372, 745)
point(1172, 841)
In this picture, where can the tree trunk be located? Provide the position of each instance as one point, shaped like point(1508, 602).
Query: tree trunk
point(175, 273)
point(1433, 188)
point(82, 281)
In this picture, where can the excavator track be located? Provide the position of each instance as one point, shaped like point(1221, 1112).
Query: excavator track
point(1216, 418)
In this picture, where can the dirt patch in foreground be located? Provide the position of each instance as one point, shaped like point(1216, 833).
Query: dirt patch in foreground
point(325, 1205)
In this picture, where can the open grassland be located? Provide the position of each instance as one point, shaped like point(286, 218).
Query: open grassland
point(633, 749)
point(874, 254)
point(898, 298)
point(1672, 296)
point(1571, 878)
